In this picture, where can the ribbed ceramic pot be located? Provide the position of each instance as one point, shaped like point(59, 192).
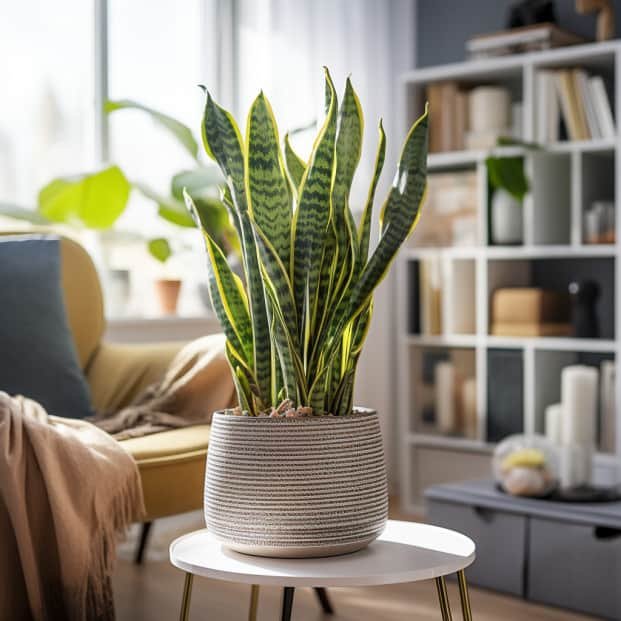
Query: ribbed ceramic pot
point(296, 487)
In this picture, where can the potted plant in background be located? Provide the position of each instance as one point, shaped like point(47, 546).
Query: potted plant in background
point(96, 200)
point(509, 184)
point(296, 470)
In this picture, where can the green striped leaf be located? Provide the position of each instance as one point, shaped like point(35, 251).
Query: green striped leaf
point(278, 276)
point(267, 188)
point(230, 291)
point(364, 231)
point(399, 217)
point(223, 143)
point(295, 166)
point(348, 150)
point(313, 213)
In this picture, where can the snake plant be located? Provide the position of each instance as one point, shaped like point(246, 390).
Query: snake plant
point(296, 326)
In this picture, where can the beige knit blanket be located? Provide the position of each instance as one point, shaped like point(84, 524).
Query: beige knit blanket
point(67, 488)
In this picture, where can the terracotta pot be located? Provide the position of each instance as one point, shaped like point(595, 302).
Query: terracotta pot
point(168, 294)
point(296, 487)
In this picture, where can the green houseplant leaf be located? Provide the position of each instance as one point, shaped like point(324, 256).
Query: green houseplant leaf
point(94, 200)
point(309, 279)
point(177, 129)
point(159, 249)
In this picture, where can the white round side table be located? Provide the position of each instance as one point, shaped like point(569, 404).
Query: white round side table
point(405, 552)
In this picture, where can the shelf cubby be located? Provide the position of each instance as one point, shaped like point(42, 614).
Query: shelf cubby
point(433, 410)
point(548, 366)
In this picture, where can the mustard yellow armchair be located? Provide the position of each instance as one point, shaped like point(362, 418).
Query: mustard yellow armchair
point(171, 463)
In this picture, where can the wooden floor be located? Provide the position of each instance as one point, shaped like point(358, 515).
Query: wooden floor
point(153, 591)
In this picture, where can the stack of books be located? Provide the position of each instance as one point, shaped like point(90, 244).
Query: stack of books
point(518, 40)
point(529, 311)
point(448, 112)
point(575, 100)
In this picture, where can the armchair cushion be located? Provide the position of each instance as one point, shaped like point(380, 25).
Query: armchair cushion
point(118, 373)
point(39, 357)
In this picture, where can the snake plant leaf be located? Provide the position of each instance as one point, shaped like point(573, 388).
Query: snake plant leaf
point(177, 129)
point(242, 386)
point(276, 273)
point(159, 249)
point(312, 216)
point(230, 289)
point(285, 344)
point(93, 200)
point(295, 166)
point(364, 230)
point(399, 216)
point(348, 150)
point(309, 294)
point(223, 143)
point(267, 187)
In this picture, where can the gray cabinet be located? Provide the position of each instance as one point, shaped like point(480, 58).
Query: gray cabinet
point(500, 539)
point(575, 566)
point(562, 554)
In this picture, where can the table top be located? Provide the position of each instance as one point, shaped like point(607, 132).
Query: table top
point(405, 552)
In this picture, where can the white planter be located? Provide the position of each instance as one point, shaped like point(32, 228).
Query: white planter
point(507, 219)
point(296, 487)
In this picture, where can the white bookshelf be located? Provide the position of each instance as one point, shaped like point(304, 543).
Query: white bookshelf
point(552, 230)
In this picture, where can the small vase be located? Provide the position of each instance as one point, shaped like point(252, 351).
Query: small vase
point(296, 487)
point(168, 294)
point(507, 219)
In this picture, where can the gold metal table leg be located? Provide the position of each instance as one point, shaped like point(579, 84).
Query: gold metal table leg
point(184, 615)
point(254, 603)
point(466, 611)
point(445, 604)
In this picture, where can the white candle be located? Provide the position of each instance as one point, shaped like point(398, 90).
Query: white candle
point(579, 423)
point(579, 401)
point(553, 423)
point(445, 396)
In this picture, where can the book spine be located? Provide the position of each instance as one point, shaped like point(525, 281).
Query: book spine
point(565, 104)
point(542, 107)
point(584, 93)
point(602, 105)
point(580, 110)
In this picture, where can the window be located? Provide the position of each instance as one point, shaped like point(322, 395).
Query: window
point(47, 121)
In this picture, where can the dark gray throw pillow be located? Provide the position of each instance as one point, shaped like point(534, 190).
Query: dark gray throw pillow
point(38, 358)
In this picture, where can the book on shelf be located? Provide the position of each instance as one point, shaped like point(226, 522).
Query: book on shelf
point(602, 106)
point(430, 283)
point(572, 99)
point(525, 39)
point(531, 329)
point(448, 111)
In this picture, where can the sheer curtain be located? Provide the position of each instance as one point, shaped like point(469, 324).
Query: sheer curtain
point(281, 46)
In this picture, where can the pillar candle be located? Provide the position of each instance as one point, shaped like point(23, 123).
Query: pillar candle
point(553, 423)
point(445, 396)
point(579, 424)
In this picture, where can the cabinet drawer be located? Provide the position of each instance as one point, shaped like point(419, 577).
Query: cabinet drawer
point(500, 539)
point(575, 566)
